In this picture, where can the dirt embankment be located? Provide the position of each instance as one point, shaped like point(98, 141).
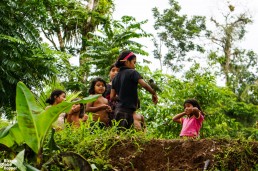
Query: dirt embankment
point(159, 155)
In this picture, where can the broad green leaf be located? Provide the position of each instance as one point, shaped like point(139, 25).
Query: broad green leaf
point(33, 121)
point(72, 96)
point(26, 110)
point(16, 134)
point(18, 161)
point(11, 135)
point(7, 140)
point(5, 131)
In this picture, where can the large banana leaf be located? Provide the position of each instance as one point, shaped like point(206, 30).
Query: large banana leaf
point(11, 135)
point(34, 122)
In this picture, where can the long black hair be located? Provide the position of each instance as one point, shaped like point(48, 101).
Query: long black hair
point(121, 59)
point(54, 94)
point(194, 103)
point(93, 82)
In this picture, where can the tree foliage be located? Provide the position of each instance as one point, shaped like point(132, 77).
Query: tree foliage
point(67, 24)
point(87, 31)
point(105, 45)
point(178, 33)
point(237, 65)
point(70, 21)
point(224, 114)
point(22, 56)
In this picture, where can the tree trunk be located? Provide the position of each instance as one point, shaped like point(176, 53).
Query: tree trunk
point(227, 52)
point(88, 27)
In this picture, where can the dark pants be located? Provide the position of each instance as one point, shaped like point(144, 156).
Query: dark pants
point(124, 116)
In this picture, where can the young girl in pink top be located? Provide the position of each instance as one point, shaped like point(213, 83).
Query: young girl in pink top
point(192, 123)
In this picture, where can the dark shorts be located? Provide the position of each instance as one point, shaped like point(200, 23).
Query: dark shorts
point(125, 117)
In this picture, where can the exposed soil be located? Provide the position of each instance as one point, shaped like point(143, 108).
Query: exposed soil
point(159, 155)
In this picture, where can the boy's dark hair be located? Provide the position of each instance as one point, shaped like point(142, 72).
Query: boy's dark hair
point(112, 66)
point(93, 82)
point(194, 103)
point(119, 63)
point(55, 93)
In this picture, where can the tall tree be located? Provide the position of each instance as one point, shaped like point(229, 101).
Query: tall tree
point(178, 33)
point(236, 64)
point(158, 51)
point(100, 14)
point(22, 56)
point(106, 44)
point(67, 24)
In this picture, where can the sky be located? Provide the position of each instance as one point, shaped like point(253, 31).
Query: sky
point(142, 10)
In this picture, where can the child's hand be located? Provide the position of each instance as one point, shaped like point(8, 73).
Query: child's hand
point(109, 109)
point(106, 107)
point(85, 118)
point(155, 99)
point(196, 111)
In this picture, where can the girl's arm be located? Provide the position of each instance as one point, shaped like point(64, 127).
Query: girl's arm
point(196, 112)
point(91, 108)
point(113, 95)
point(149, 89)
point(178, 117)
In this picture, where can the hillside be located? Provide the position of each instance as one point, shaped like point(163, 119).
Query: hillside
point(185, 155)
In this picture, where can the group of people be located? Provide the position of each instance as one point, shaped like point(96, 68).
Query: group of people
point(119, 101)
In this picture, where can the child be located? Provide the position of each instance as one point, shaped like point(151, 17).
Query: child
point(139, 123)
point(113, 70)
point(77, 114)
point(124, 85)
point(138, 120)
point(56, 97)
point(100, 107)
point(192, 123)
